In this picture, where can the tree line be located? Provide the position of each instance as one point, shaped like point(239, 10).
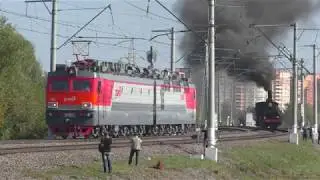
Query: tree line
point(308, 110)
point(22, 84)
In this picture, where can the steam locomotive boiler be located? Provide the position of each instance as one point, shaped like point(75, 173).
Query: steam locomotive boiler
point(268, 114)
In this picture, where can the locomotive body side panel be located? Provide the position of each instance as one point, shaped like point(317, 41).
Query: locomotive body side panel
point(132, 103)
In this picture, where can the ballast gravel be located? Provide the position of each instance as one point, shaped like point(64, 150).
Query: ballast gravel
point(14, 166)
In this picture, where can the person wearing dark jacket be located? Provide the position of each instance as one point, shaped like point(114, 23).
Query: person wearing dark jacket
point(105, 150)
point(304, 134)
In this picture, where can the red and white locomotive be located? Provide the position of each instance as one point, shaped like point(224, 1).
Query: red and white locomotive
point(90, 97)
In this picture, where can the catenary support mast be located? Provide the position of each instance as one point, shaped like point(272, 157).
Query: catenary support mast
point(211, 151)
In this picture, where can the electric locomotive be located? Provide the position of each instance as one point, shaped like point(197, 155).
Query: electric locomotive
point(268, 114)
point(91, 97)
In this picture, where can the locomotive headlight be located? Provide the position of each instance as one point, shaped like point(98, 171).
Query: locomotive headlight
point(52, 105)
point(86, 105)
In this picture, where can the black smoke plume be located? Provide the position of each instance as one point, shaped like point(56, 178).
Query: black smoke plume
point(233, 32)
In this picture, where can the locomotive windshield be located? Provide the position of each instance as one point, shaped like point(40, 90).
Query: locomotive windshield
point(67, 85)
point(81, 85)
point(59, 85)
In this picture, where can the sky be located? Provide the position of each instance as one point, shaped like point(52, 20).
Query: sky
point(129, 18)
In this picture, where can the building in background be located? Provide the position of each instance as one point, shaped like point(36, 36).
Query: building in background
point(239, 94)
point(247, 94)
point(281, 88)
point(308, 86)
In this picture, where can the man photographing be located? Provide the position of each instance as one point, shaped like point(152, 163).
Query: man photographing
point(105, 150)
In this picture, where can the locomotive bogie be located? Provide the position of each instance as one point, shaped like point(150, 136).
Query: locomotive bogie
point(122, 130)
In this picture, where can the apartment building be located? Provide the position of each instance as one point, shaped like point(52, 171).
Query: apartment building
point(281, 88)
point(308, 87)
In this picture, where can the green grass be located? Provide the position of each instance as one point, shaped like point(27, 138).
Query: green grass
point(270, 160)
point(277, 160)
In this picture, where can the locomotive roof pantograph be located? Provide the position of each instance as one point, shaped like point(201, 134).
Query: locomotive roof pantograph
point(89, 67)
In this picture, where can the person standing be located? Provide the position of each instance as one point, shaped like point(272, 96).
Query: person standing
point(304, 134)
point(105, 150)
point(135, 148)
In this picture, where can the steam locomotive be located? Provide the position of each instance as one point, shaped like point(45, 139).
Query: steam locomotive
point(91, 97)
point(268, 114)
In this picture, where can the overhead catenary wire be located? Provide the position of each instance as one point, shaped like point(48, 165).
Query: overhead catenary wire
point(107, 7)
point(176, 17)
point(149, 13)
point(44, 3)
point(62, 23)
point(65, 37)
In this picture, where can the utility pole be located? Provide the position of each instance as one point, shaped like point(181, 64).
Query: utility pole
point(173, 53)
point(211, 152)
point(154, 92)
point(204, 98)
point(167, 32)
point(219, 99)
point(53, 48)
point(294, 135)
point(302, 95)
point(232, 101)
point(315, 94)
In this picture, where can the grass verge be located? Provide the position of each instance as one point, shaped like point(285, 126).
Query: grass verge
point(268, 160)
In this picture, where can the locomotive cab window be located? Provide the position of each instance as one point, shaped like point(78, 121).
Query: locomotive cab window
point(81, 85)
point(59, 85)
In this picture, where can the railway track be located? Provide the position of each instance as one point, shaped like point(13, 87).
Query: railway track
point(125, 143)
point(222, 130)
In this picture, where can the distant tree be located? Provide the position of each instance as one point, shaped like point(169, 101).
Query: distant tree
point(308, 110)
point(21, 87)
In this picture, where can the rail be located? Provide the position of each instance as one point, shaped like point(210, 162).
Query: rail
point(222, 130)
point(125, 143)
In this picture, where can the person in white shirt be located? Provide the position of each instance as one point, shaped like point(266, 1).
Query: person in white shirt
point(135, 148)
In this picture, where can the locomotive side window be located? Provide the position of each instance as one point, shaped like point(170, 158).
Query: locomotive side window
point(60, 85)
point(81, 85)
